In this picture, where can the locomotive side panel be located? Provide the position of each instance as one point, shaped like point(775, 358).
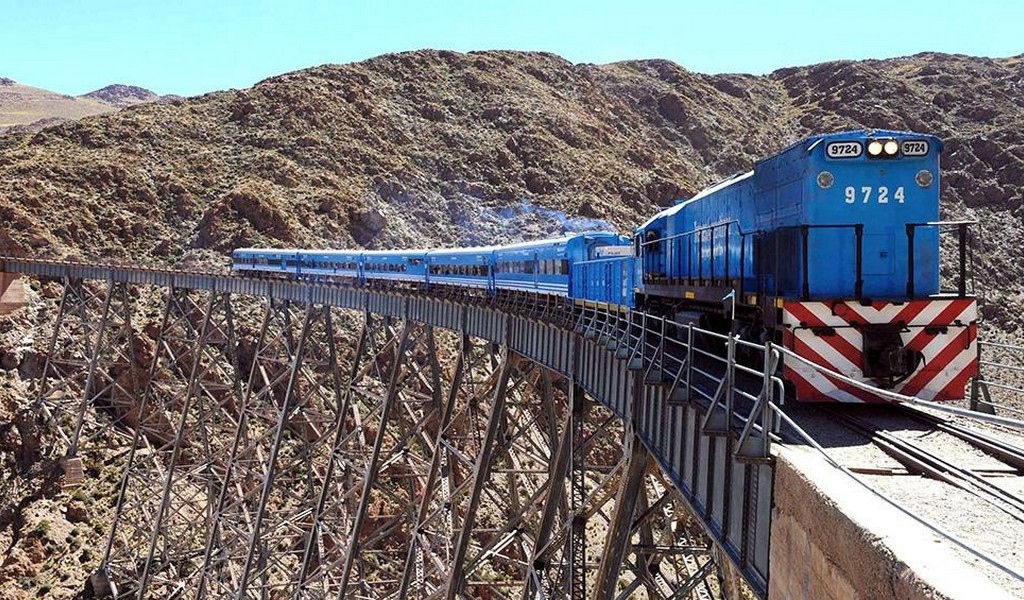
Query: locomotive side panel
point(779, 192)
point(721, 230)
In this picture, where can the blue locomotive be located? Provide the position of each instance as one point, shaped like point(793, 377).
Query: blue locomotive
point(831, 217)
point(830, 247)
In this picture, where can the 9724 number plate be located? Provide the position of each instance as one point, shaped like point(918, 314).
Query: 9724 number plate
point(843, 149)
point(914, 148)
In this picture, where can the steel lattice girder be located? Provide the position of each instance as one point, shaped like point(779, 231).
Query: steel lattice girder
point(308, 491)
point(169, 480)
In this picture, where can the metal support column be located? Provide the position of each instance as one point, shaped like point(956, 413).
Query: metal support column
point(578, 495)
point(414, 574)
point(373, 465)
point(480, 473)
point(232, 526)
point(617, 539)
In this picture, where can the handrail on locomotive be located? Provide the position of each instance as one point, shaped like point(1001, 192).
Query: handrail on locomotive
point(738, 280)
point(962, 230)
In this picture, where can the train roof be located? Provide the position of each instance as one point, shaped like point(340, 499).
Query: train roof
point(329, 251)
point(399, 252)
point(559, 240)
point(468, 250)
point(266, 250)
point(705, 192)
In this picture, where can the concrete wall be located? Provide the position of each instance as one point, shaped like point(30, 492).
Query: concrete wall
point(12, 293)
point(834, 540)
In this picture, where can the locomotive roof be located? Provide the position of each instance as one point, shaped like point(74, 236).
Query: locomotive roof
point(705, 192)
point(860, 134)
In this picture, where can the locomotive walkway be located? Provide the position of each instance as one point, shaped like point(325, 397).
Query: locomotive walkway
point(473, 449)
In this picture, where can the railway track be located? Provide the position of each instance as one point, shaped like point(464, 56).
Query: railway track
point(888, 432)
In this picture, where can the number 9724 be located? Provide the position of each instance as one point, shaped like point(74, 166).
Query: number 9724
point(867, 194)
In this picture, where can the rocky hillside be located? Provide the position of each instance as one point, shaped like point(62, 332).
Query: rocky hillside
point(123, 96)
point(28, 109)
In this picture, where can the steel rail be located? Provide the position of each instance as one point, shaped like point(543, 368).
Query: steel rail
point(900, 398)
point(1001, 449)
point(916, 458)
point(981, 554)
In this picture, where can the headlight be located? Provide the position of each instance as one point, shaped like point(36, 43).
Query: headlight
point(825, 180)
point(874, 147)
point(924, 178)
point(891, 147)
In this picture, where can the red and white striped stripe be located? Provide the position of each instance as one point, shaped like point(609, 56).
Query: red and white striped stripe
point(950, 358)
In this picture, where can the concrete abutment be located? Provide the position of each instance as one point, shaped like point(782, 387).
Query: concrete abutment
point(832, 539)
point(12, 293)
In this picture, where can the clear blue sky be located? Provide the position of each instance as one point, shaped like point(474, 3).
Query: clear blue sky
point(193, 46)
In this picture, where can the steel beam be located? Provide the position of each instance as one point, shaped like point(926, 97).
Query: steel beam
point(372, 466)
point(480, 472)
point(439, 468)
point(232, 522)
point(617, 539)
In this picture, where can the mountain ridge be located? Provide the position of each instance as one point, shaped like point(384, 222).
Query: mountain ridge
point(24, 108)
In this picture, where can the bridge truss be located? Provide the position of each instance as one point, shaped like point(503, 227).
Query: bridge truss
point(350, 443)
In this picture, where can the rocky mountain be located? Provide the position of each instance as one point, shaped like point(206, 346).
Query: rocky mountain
point(122, 96)
point(436, 147)
point(448, 148)
point(27, 109)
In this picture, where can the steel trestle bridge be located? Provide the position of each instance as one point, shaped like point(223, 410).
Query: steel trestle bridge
point(460, 447)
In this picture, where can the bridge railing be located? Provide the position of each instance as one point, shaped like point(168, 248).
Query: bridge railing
point(734, 380)
point(1000, 378)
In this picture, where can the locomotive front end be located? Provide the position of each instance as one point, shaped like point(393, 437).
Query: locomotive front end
point(867, 302)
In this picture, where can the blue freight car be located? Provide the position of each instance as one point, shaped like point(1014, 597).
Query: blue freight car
point(607, 279)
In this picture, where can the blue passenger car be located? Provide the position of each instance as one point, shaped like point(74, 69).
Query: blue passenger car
point(543, 266)
point(266, 260)
point(469, 267)
point(330, 263)
point(394, 265)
